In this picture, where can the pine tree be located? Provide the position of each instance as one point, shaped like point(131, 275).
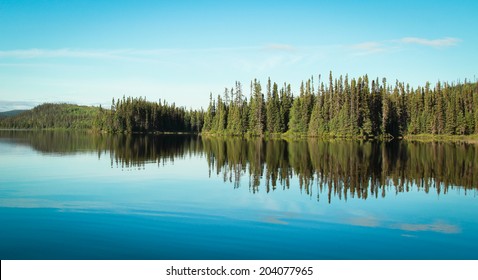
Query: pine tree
point(307, 102)
point(345, 112)
point(428, 114)
point(475, 106)
point(276, 109)
point(285, 101)
point(386, 116)
point(364, 112)
point(315, 118)
point(269, 108)
point(354, 107)
point(461, 127)
point(221, 116)
point(376, 108)
point(295, 116)
point(256, 110)
point(440, 110)
point(450, 114)
point(209, 116)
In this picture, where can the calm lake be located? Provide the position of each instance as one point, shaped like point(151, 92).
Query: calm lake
point(66, 195)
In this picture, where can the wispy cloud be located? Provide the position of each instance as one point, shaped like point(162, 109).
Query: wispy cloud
point(443, 42)
point(63, 53)
point(124, 53)
point(279, 47)
point(375, 47)
point(359, 49)
point(364, 48)
point(367, 48)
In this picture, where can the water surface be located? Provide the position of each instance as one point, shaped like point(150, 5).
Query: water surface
point(67, 195)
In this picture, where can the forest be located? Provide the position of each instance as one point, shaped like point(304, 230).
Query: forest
point(338, 108)
point(139, 115)
point(52, 116)
point(345, 108)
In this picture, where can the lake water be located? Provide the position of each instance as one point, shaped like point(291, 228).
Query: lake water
point(82, 196)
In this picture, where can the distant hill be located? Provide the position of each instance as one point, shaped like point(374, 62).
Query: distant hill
point(51, 115)
point(11, 113)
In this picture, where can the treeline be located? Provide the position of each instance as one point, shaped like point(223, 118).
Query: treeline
point(339, 107)
point(53, 116)
point(345, 108)
point(139, 115)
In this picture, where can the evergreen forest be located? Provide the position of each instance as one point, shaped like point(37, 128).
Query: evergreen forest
point(347, 108)
point(339, 107)
point(51, 116)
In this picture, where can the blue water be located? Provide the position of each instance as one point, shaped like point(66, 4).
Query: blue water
point(83, 204)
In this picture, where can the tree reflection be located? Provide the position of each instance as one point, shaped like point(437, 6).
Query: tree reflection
point(326, 169)
point(344, 169)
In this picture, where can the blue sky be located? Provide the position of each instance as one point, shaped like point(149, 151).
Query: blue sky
point(88, 52)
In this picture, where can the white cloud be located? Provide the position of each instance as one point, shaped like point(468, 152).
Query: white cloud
point(363, 48)
point(443, 42)
point(44, 53)
point(374, 47)
point(367, 48)
point(117, 53)
point(279, 47)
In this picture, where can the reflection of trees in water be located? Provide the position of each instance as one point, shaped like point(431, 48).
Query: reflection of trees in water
point(344, 169)
point(134, 151)
point(52, 141)
point(336, 169)
point(126, 151)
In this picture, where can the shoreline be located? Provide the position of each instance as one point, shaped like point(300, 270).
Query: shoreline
point(472, 138)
